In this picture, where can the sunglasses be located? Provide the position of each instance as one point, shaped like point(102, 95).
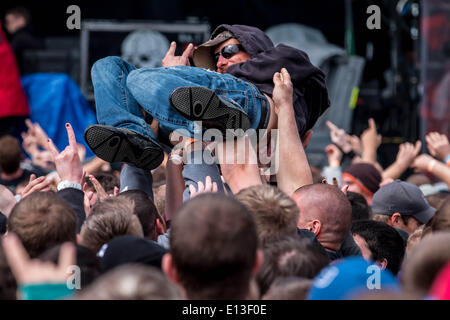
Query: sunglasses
point(228, 51)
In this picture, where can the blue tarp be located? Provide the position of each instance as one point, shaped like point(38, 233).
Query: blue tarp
point(54, 100)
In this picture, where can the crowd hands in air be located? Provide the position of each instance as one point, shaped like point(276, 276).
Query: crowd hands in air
point(171, 239)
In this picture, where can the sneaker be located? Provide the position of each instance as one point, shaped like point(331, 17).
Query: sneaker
point(203, 104)
point(122, 145)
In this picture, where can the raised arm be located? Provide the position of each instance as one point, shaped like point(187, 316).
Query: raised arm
point(294, 171)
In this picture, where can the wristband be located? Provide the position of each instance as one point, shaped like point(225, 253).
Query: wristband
point(431, 165)
point(176, 158)
point(447, 160)
point(335, 163)
point(68, 184)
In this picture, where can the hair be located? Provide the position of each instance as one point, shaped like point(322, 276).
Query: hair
point(289, 288)
point(384, 242)
point(276, 215)
point(10, 154)
point(360, 208)
point(20, 11)
point(290, 257)
point(108, 219)
point(86, 260)
point(441, 219)
point(8, 284)
point(41, 221)
point(213, 242)
point(316, 175)
point(418, 179)
point(436, 200)
point(159, 194)
point(425, 262)
point(107, 179)
point(145, 210)
point(414, 239)
point(330, 206)
point(131, 282)
point(385, 218)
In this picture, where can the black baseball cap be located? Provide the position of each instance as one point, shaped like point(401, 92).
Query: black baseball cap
point(404, 198)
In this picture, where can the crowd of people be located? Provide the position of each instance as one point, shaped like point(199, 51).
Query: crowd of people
point(151, 218)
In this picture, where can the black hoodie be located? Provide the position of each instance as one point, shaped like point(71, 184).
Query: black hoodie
point(310, 90)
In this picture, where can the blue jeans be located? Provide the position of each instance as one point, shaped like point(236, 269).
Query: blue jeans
point(120, 89)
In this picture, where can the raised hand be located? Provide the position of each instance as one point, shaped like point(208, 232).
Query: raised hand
point(370, 137)
point(67, 163)
point(407, 153)
point(170, 60)
point(33, 271)
point(283, 90)
point(438, 145)
point(334, 155)
point(36, 185)
point(339, 137)
point(203, 188)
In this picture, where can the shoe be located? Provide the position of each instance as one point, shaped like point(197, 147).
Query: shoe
point(203, 104)
point(122, 145)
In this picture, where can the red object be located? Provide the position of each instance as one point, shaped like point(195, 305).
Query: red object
point(441, 286)
point(13, 101)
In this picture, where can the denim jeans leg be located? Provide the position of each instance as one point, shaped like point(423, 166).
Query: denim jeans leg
point(152, 87)
point(115, 106)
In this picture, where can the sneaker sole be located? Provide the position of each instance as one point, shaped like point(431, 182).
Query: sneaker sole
point(203, 104)
point(112, 145)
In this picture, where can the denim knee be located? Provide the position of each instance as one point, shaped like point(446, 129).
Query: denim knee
point(106, 65)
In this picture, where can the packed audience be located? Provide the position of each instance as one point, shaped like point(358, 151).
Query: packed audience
point(83, 228)
point(248, 239)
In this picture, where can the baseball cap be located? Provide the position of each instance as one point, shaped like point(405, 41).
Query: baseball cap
point(203, 57)
point(130, 249)
point(347, 278)
point(404, 198)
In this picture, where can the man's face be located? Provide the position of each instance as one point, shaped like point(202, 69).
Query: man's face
point(14, 22)
point(223, 63)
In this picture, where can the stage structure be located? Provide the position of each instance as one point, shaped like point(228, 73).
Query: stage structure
point(102, 38)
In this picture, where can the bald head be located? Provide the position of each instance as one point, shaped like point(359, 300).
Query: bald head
point(325, 210)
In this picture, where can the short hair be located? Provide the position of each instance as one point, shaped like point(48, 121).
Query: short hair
point(41, 221)
point(424, 263)
point(8, 284)
point(441, 220)
point(290, 257)
point(214, 244)
point(384, 242)
point(385, 218)
point(10, 154)
point(131, 282)
point(108, 219)
point(20, 11)
point(414, 239)
point(86, 260)
point(360, 208)
point(107, 179)
point(145, 210)
point(436, 200)
point(275, 214)
point(289, 288)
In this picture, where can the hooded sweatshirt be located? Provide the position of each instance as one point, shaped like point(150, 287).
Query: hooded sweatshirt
point(310, 91)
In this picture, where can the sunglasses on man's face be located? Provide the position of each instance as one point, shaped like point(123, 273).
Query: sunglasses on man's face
point(228, 51)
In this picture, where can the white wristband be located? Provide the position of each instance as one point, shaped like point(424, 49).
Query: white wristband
point(176, 158)
point(68, 184)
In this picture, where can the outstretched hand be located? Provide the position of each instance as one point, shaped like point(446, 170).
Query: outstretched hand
point(36, 185)
point(67, 163)
point(170, 60)
point(438, 145)
point(33, 271)
point(203, 188)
